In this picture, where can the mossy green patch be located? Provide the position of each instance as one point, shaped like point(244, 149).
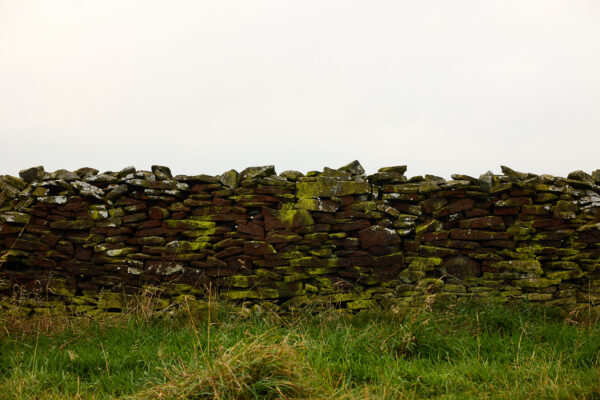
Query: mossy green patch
point(526, 266)
point(331, 188)
point(189, 224)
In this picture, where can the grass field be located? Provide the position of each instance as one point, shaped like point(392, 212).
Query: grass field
point(483, 352)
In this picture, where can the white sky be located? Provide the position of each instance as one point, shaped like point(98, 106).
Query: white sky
point(205, 86)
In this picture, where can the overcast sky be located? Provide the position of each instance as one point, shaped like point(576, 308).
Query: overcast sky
point(205, 86)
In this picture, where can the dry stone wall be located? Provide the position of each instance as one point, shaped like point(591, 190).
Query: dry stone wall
point(85, 241)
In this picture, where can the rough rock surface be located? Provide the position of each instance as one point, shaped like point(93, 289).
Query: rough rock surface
point(90, 241)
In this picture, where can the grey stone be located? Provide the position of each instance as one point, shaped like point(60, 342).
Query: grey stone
point(516, 174)
point(486, 181)
point(32, 174)
point(230, 179)
point(64, 175)
point(291, 175)
point(116, 192)
point(86, 172)
point(88, 191)
point(103, 178)
point(581, 176)
point(126, 171)
point(257, 172)
point(162, 172)
point(398, 169)
point(353, 168)
point(461, 267)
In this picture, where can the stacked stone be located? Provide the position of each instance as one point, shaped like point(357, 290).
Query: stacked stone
point(90, 241)
point(515, 236)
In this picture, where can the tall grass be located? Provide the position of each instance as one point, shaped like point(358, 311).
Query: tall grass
point(223, 353)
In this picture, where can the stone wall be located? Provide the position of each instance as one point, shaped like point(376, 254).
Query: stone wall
point(86, 242)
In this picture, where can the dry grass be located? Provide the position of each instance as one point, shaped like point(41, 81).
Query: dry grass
point(258, 369)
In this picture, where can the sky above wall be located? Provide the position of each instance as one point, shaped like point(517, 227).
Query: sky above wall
point(205, 86)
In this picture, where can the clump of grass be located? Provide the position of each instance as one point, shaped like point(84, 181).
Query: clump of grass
point(248, 370)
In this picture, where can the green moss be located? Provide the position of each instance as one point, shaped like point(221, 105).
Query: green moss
point(352, 296)
point(433, 251)
point(13, 217)
point(535, 282)
point(338, 235)
point(121, 252)
point(202, 235)
point(429, 226)
point(323, 252)
point(331, 188)
point(189, 224)
point(428, 187)
point(108, 300)
point(262, 293)
point(290, 218)
point(98, 214)
point(60, 287)
point(305, 262)
point(536, 296)
point(86, 240)
point(78, 224)
point(316, 237)
point(526, 266)
point(288, 290)
point(295, 277)
point(241, 281)
point(424, 264)
point(518, 232)
point(317, 205)
point(361, 304)
point(409, 275)
point(318, 271)
point(564, 275)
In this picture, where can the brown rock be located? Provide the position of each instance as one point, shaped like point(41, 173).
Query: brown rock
point(471, 234)
point(251, 228)
point(461, 267)
point(378, 236)
point(455, 207)
point(492, 222)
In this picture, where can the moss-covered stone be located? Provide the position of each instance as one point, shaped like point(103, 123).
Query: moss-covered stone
point(230, 179)
point(60, 287)
point(240, 281)
point(183, 246)
point(331, 188)
point(121, 252)
point(535, 282)
point(306, 262)
point(317, 205)
point(286, 218)
point(13, 217)
point(110, 300)
point(561, 265)
point(351, 296)
point(409, 275)
point(188, 224)
point(322, 252)
point(565, 275)
point(431, 225)
point(73, 225)
point(526, 266)
point(293, 277)
point(423, 263)
point(428, 187)
point(261, 293)
point(361, 304)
